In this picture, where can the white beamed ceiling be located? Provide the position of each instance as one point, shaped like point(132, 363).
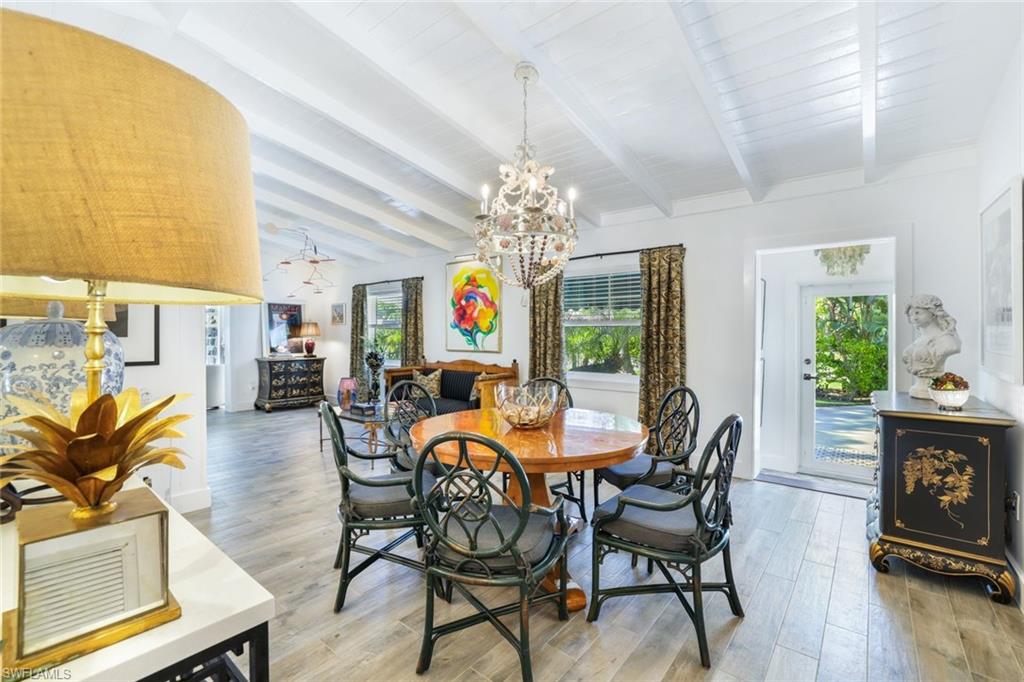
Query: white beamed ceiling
point(374, 123)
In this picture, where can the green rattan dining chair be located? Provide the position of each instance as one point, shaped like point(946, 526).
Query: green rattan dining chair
point(678, 532)
point(481, 537)
point(382, 502)
point(675, 439)
point(407, 403)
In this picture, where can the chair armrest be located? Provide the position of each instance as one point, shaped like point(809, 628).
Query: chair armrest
point(367, 455)
point(375, 483)
point(624, 502)
point(556, 509)
point(553, 509)
point(391, 372)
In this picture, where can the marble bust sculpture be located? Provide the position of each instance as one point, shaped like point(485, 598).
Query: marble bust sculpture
point(936, 340)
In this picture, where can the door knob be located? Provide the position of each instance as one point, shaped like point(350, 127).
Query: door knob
point(810, 377)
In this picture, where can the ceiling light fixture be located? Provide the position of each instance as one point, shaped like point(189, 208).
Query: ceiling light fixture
point(526, 223)
point(309, 254)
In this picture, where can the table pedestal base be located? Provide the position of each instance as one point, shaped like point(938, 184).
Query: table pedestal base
point(540, 494)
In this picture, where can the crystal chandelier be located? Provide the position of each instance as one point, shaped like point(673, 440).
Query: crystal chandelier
point(526, 224)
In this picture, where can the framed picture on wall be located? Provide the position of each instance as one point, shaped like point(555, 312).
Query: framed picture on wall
point(473, 310)
point(1002, 241)
point(138, 328)
point(283, 321)
point(337, 313)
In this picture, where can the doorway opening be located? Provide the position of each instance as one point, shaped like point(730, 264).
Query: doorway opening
point(826, 343)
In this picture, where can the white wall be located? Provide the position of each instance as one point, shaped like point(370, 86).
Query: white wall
point(515, 317)
point(1001, 157)
point(245, 329)
point(930, 206)
point(182, 369)
point(785, 273)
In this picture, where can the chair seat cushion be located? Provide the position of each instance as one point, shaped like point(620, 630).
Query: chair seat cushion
point(533, 544)
point(668, 530)
point(629, 472)
point(377, 502)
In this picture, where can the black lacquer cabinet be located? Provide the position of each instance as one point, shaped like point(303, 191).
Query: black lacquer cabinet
point(940, 501)
point(289, 381)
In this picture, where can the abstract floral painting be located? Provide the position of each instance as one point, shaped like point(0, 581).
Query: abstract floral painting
point(473, 312)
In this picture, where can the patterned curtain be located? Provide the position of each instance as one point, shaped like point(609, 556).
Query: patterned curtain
point(663, 328)
point(412, 321)
point(357, 345)
point(546, 334)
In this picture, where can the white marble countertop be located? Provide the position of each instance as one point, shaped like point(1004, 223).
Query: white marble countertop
point(218, 599)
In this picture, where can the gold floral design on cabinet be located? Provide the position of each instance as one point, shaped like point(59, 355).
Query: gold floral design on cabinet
point(937, 471)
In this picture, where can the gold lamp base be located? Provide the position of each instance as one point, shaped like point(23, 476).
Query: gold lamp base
point(62, 553)
point(86, 644)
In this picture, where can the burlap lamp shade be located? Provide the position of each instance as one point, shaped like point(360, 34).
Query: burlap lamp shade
point(118, 167)
point(30, 307)
point(123, 178)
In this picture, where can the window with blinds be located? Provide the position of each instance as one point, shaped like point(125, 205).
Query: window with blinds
point(601, 315)
point(384, 310)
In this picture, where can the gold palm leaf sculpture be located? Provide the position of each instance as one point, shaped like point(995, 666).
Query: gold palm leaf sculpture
point(88, 455)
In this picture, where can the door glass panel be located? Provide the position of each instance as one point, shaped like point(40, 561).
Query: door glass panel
point(851, 361)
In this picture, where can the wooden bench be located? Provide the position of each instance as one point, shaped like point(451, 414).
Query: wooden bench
point(485, 388)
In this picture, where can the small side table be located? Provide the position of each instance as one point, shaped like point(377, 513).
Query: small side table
point(372, 425)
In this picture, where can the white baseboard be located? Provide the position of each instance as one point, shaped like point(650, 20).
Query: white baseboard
point(191, 500)
point(242, 406)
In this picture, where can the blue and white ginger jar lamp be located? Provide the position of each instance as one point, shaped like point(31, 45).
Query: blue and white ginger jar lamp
point(48, 357)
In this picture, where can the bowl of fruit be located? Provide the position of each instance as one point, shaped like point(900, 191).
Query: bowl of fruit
point(950, 391)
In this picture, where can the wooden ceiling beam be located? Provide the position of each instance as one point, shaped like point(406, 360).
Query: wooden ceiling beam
point(297, 208)
point(267, 168)
point(573, 102)
point(867, 34)
point(460, 112)
point(251, 61)
point(712, 102)
point(282, 136)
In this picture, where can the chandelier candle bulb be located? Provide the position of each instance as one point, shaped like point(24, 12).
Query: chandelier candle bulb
point(485, 192)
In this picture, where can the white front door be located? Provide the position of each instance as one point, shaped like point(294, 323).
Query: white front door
point(846, 334)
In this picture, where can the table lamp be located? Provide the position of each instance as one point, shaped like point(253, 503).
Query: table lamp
point(44, 353)
point(122, 179)
point(309, 331)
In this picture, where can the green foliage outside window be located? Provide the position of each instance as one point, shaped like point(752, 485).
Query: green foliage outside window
point(602, 323)
point(386, 329)
point(603, 349)
point(852, 346)
point(389, 342)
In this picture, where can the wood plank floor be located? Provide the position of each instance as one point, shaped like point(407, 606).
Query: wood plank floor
point(815, 607)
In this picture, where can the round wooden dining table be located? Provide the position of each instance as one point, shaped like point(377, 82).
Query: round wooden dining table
point(574, 440)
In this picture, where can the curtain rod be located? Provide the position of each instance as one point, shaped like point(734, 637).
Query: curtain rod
point(385, 281)
point(615, 253)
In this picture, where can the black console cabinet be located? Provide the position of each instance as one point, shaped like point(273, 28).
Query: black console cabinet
point(941, 489)
point(289, 381)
